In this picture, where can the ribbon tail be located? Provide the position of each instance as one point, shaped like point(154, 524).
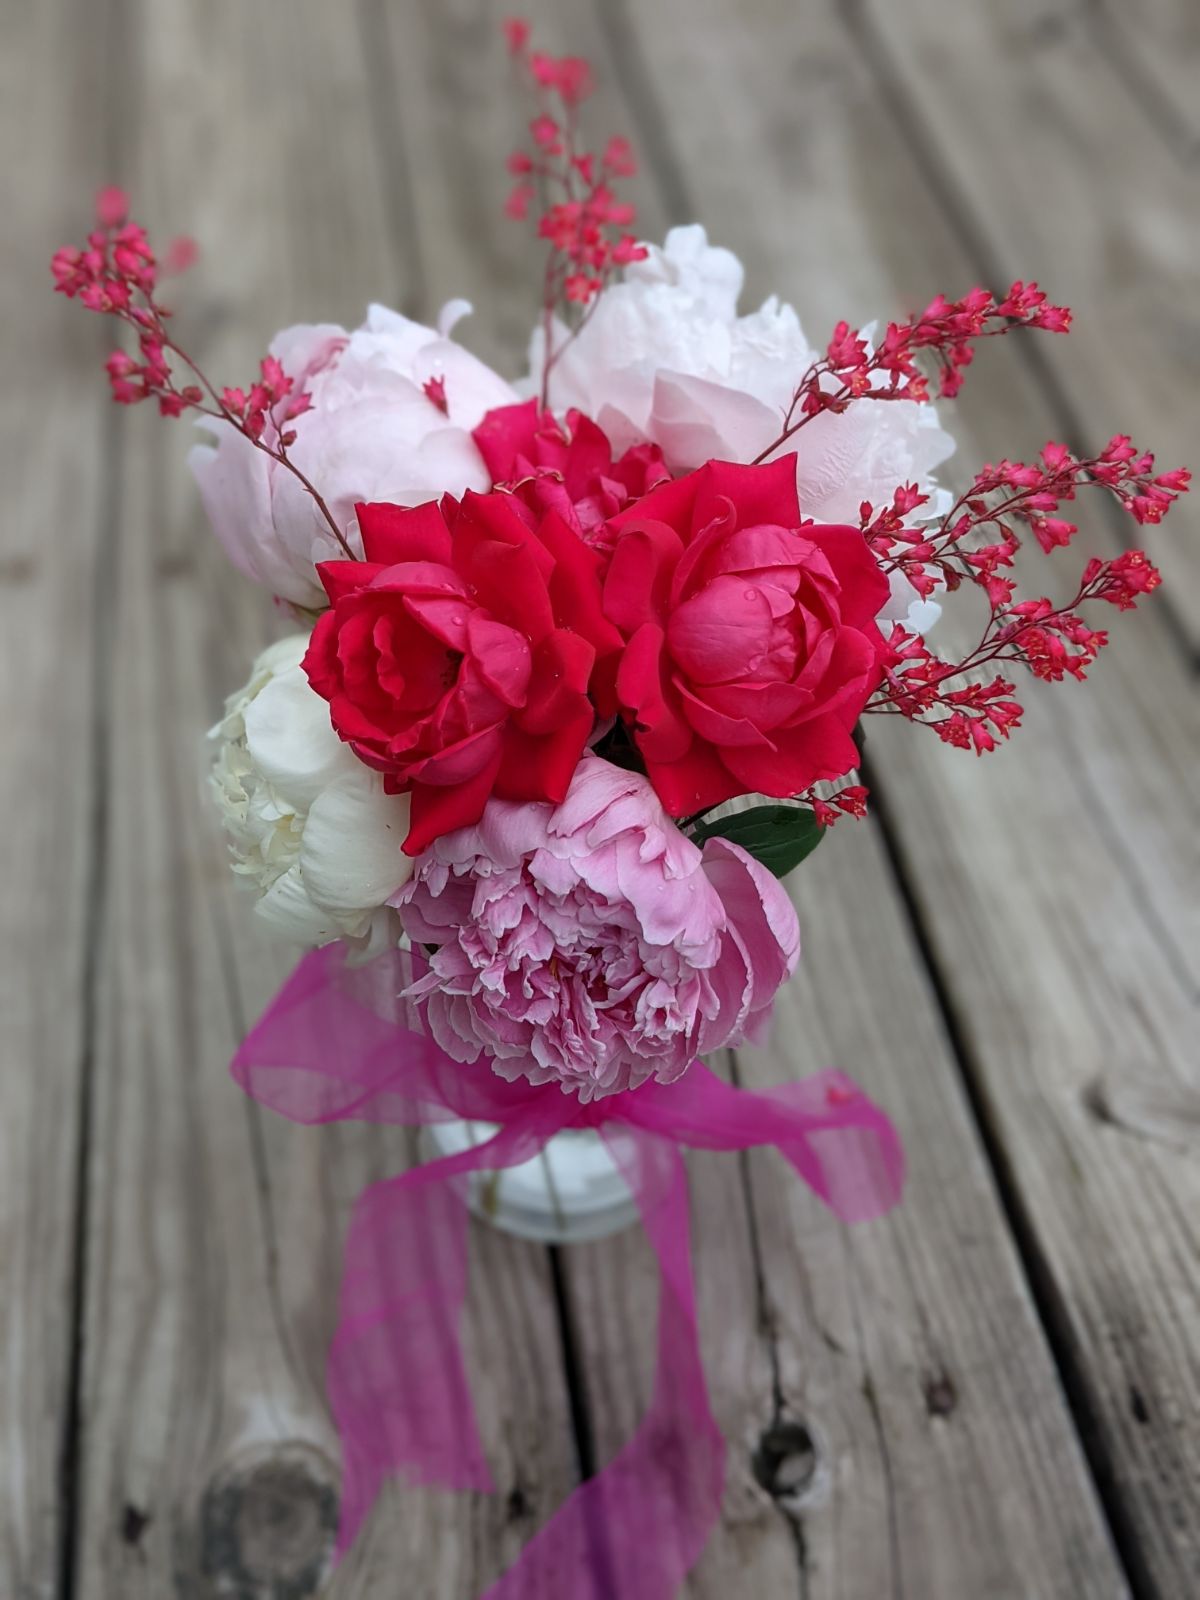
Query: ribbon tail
point(635, 1530)
point(839, 1141)
point(396, 1377)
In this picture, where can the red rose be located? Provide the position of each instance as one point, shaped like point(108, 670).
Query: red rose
point(752, 645)
point(571, 470)
point(456, 657)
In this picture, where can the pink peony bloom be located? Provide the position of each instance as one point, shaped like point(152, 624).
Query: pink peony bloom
point(393, 405)
point(591, 943)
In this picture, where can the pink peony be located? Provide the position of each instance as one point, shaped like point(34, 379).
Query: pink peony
point(393, 405)
point(591, 943)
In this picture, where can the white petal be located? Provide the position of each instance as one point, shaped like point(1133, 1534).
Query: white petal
point(453, 311)
point(289, 912)
point(281, 656)
point(291, 740)
point(351, 854)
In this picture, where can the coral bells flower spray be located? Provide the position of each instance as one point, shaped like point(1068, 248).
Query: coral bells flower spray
point(579, 214)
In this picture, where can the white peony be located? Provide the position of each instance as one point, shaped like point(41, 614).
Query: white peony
point(665, 356)
point(373, 433)
point(310, 828)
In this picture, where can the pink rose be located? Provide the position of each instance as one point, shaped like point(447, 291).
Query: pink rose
point(377, 431)
point(591, 943)
point(456, 658)
point(751, 645)
point(568, 468)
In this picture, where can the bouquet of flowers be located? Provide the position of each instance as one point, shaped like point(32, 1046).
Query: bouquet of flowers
point(542, 634)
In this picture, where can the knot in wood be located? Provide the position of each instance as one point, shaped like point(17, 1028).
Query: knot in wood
point(268, 1523)
point(784, 1461)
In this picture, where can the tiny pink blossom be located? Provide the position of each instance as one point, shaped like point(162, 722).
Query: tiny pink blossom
point(112, 206)
point(592, 943)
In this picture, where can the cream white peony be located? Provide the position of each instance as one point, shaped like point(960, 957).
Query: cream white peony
point(310, 828)
point(665, 356)
point(373, 433)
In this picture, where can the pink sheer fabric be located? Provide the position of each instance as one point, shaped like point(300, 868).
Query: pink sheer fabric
point(341, 1043)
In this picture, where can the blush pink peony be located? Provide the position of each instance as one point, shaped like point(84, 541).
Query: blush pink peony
point(393, 405)
point(592, 944)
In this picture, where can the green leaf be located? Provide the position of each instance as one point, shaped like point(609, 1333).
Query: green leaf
point(778, 836)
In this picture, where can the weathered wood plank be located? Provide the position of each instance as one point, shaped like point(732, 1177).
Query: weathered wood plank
point(53, 550)
point(1072, 1033)
point(1155, 48)
point(944, 1458)
point(1050, 984)
point(1111, 218)
point(215, 1231)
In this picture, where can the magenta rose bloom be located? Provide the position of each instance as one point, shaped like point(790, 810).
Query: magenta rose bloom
point(457, 657)
point(752, 646)
point(592, 944)
point(569, 469)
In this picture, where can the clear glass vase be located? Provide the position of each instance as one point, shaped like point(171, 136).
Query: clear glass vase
point(572, 1190)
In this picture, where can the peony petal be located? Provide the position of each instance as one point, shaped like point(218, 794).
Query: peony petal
point(695, 421)
point(290, 912)
point(350, 852)
point(758, 904)
point(291, 740)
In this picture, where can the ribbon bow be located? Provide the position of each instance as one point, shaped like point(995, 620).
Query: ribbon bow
point(342, 1043)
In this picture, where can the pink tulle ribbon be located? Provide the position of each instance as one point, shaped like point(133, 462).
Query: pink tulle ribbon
point(341, 1043)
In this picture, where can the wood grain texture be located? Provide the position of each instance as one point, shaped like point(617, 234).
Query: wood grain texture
point(1104, 994)
point(1112, 218)
point(810, 1334)
point(54, 536)
point(1155, 47)
point(810, 129)
point(214, 1235)
point(1062, 913)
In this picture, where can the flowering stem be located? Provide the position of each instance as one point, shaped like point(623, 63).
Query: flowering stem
point(278, 453)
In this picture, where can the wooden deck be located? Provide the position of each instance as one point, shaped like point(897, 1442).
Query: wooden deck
point(995, 1393)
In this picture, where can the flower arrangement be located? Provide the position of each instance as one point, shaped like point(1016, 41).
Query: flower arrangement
point(544, 633)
